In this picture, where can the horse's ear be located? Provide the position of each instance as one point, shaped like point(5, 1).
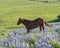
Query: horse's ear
point(19, 18)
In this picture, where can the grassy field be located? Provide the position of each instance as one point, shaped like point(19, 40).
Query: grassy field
point(11, 10)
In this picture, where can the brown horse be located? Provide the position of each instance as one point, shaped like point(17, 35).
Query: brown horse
point(33, 24)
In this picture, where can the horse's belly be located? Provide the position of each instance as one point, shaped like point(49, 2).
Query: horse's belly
point(33, 26)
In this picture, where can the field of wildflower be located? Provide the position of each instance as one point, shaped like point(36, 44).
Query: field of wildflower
point(18, 38)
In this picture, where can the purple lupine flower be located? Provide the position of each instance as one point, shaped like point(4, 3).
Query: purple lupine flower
point(27, 45)
point(17, 44)
point(7, 45)
point(49, 46)
point(38, 46)
point(23, 38)
point(47, 38)
point(22, 44)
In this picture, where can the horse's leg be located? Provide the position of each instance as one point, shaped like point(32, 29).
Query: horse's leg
point(40, 28)
point(27, 30)
point(43, 27)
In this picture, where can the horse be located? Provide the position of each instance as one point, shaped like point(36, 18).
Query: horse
point(30, 24)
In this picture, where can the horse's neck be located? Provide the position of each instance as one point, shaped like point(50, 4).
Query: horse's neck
point(24, 22)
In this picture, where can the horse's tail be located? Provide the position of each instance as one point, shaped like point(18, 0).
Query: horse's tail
point(47, 24)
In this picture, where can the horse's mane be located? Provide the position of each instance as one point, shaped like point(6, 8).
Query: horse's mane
point(32, 20)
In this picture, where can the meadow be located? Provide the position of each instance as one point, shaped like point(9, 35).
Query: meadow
point(11, 10)
point(14, 36)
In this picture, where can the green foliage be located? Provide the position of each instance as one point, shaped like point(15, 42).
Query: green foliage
point(58, 30)
point(58, 0)
point(55, 44)
point(45, 1)
point(51, 30)
point(31, 43)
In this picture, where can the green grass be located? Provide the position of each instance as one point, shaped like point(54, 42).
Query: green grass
point(11, 10)
point(55, 44)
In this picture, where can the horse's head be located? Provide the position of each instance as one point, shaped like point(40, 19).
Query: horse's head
point(19, 21)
